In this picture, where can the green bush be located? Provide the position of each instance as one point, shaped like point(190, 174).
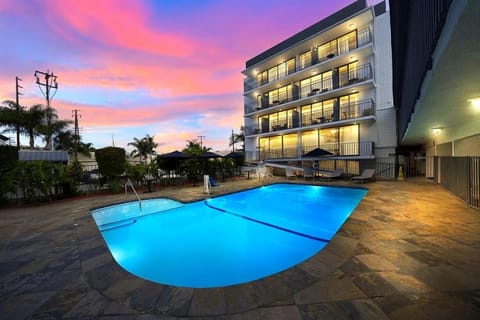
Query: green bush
point(111, 164)
point(8, 162)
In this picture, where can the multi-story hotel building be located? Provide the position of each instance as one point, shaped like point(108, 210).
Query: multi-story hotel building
point(328, 86)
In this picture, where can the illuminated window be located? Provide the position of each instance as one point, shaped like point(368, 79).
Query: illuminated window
point(305, 60)
point(306, 115)
point(349, 106)
point(309, 140)
point(290, 145)
point(349, 139)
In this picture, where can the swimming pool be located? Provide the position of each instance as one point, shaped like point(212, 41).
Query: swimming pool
point(226, 240)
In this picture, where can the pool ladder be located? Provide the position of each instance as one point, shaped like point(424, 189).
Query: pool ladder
point(129, 183)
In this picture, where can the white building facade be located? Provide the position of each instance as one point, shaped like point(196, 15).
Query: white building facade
point(329, 87)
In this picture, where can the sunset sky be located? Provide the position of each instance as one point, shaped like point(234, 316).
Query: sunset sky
point(165, 68)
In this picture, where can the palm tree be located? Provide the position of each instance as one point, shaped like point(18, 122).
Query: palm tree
point(65, 140)
point(32, 119)
point(52, 126)
point(237, 138)
point(11, 118)
point(143, 147)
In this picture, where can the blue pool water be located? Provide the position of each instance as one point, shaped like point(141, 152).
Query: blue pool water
point(225, 240)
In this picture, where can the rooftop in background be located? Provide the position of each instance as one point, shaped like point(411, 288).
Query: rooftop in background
point(42, 155)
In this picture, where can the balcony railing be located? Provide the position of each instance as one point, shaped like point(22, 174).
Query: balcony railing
point(341, 149)
point(345, 149)
point(364, 37)
point(356, 75)
point(355, 110)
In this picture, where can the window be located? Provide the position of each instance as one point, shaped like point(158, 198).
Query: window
point(349, 140)
point(329, 140)
point(309, 140)
point(317, 114)
point(327, 83)
point(290, 145)
point(272, 74)
point(349, 106)
point(328, 109)
point(347, 42)
point(276, 147)
point(280, 95)
point(282, 70)
point(291, 66)
point(348, 74)
point(262, 78)
point(305, 60)
point(306, 115)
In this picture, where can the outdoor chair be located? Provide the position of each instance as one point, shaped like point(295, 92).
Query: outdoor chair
point(331, 175)
point(289, 173)
point(367, 174)
point(308, 173)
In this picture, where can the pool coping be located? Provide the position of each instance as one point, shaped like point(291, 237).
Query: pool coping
point(199, 302)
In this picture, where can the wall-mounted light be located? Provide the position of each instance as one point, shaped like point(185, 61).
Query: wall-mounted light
point(437, 130)
point(352, 58)
point(475, 102)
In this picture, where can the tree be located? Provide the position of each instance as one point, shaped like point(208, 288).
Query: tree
point(65, 140)
point(51, 126)
point(143, 147)
point(238, 138)
point(193, 165)
point(10, 117)
point(32, 119)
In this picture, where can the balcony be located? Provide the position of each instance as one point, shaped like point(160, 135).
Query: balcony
point(363, 38)
point(352, 111)
point(356, 75)
point(339, 150)
point(345, 149)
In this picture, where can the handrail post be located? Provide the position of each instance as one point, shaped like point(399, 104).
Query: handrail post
point(135, 192)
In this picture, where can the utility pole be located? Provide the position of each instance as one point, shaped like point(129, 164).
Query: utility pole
point(50, 83)
point(201, 141)
point(233, 142)
point(76, 135)
point(17, 87)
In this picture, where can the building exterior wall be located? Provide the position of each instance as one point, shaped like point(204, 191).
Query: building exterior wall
point(330, 87)
point(469, 146)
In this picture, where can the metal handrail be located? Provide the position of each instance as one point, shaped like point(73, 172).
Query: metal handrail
point(134, 191)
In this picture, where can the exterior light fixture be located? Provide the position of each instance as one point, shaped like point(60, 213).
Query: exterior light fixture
point(352, 58)
point(437, 130)
point(351, 25)
point(475, 102)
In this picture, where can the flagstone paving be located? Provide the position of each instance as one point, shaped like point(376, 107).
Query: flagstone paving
point(411, 250)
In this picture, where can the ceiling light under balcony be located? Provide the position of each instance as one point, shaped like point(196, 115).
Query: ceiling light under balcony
point(437, 130)
point(475, 102)
point(351, 26)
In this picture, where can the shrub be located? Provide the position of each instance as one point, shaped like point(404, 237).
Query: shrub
point(111, 163)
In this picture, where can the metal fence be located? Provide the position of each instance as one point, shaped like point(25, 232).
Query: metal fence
point(461, 176)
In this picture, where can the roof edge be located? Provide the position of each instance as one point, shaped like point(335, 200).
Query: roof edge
point(321, 25)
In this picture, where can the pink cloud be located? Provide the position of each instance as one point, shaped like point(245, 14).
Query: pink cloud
point(119, 24)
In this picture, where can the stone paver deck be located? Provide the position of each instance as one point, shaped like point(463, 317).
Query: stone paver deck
point(411, 250)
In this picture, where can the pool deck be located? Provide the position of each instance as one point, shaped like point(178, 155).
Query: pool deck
point(411, 250)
